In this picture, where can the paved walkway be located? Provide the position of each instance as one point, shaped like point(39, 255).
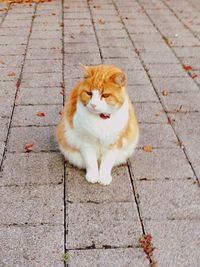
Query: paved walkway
point(48, 209)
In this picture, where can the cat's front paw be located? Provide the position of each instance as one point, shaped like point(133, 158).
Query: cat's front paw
point(92, 176)
point(105, 179)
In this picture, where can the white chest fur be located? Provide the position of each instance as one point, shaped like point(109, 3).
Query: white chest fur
point(91, 128)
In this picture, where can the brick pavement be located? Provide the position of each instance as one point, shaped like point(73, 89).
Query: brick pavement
point(47, 208)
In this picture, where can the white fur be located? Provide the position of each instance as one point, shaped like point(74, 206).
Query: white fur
point(92, 136)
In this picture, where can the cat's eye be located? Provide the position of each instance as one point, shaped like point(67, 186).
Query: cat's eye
point(89, 93)
point(105, 95)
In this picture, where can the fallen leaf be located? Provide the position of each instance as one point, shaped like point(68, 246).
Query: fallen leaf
point(11, 74)
point(60, 112)
point(180, 144)
point(2, 62)
point(53, 14)
point(146, 244)
point(148, 148)
point(40, 114)
point(96, 6)
point(28, 147)
point(165, 93)
point(62, 24)
point(18, 83)
point(187, 67)
point(101, 21)
point(194, 76)
point(179, 108)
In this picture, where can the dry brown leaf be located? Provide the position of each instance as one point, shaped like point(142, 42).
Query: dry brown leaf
point(187, 67)
point(2, 62)
point(28, 147)
point(101, 21)
point(165, 92)
point(180, 144)
point(148, 148)
point(11, 74)
point(40, 114)
point(18, 83)
point(194, 76)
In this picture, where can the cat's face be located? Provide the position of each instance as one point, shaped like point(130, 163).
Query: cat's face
point(102, 91)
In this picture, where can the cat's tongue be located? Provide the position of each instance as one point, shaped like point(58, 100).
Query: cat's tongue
point(104, 116)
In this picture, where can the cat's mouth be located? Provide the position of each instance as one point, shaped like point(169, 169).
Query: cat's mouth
point(104, 116)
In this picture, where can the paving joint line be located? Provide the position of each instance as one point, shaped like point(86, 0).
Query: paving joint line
point(17, 89)
point(164, 108)
point(64, 165)
point(94, 28)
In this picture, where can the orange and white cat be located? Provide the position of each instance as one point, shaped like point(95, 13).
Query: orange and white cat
point(98, 128)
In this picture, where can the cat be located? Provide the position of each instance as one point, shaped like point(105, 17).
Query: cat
point(98, 128)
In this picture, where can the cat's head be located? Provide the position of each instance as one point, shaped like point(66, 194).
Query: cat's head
point(102, 91)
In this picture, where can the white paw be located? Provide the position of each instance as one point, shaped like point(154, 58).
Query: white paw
point(92, 176)
point(105, 179)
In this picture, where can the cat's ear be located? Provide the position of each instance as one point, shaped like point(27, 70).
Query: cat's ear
point(119, 78)
point(86, 70)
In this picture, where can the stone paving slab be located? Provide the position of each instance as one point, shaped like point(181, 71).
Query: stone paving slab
point(30, 115)
point(176, 242)
point(42, 138)
point(39, 96)
point(105, 224)
point(161, 164)
point(129, 257)
point(179, 199)
point(31, 204)
point(31, 246)
point(22, 169)
point(79, 191)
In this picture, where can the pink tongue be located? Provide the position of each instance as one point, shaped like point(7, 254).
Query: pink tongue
point(104, 116)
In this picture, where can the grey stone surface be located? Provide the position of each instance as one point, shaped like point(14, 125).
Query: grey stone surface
point(79, 190)
point(150, 113)
point(160, 164)
point(129, 257)
point(41, 79)
point(175, 84)
point(43, 66)
point(142, 93)
point(32, 169)
point(178, 199)
point(31, 246)
point(111, 224)
point(42, 138)
point(176, 242)
point(157, 135)
point(31, 204)
point(189, 101)
point(166, 70)
point(39, 96)
point(4, 122)
point(28, 115)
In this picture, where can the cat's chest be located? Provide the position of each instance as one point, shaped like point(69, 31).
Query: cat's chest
point(95, 128)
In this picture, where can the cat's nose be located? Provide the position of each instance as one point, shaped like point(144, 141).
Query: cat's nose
point(93, 106)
